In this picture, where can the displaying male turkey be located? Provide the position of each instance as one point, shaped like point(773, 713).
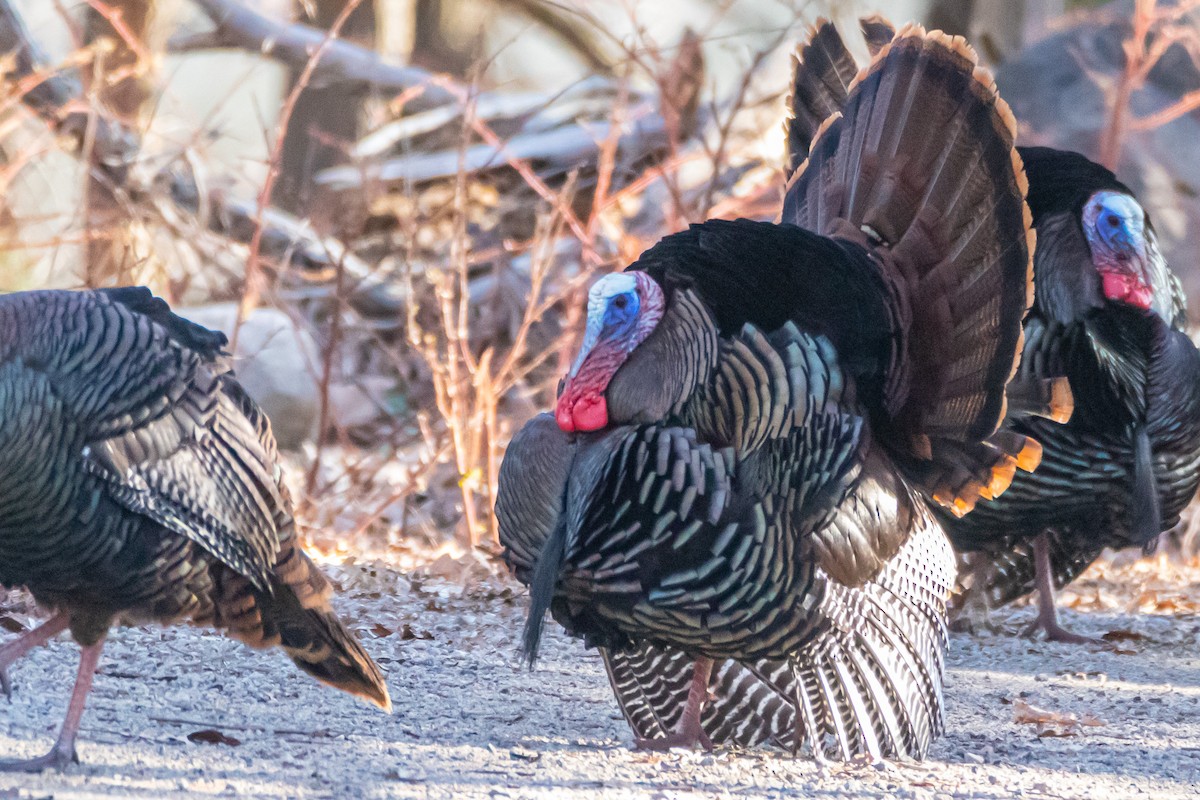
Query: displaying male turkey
point(139, 483)
point(1109, 317)
point(734, 476)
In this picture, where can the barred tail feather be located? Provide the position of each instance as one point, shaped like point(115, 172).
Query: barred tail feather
point(822, 73)
point(299, 618)
point(321, 645)
point(878, 32)
point(870, 683)
point(874, 685)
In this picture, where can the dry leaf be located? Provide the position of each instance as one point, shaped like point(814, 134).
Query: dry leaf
point(381, 631)
point(11, 625)
point(407, 633)
point(1052, 723)
point(1123, 635)
point(212, 736)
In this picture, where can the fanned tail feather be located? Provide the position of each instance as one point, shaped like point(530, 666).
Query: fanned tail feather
point(922, 169)
point(878, 32)
point(823, 70)
point(1041, 397)
point(870, 683)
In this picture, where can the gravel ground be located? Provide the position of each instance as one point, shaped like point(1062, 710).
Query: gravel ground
point(471, 722)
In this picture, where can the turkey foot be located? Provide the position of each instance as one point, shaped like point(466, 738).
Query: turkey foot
point(688, 731)
point(63, 752)
point(1047, 618)
point(28, 640)
point(57, 759)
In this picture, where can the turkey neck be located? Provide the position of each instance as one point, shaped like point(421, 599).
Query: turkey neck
point(662, 373)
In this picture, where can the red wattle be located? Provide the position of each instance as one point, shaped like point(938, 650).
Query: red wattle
point(590, 413)
point(582, 414)
point(1125, 288)
point(562, 415)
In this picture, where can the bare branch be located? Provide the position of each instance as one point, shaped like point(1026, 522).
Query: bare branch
point(359, 68)
point(58, 99)
point(566, 146)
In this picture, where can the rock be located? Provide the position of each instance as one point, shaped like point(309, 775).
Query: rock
point(1056, 88)
point(276, 362)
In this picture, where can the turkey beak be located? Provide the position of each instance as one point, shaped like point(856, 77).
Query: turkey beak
point(591, 336)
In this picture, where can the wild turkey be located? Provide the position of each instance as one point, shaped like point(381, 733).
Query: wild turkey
point(139, 483)
point(1110, 318)
point(730, 490)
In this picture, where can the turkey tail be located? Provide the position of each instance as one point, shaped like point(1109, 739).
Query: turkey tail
point(295, 614)
point(822, 73)
point(312, 635)
point(921, 170)
point(1041, 397)
point(321, 645)
point(878, 32)
point(870, 682)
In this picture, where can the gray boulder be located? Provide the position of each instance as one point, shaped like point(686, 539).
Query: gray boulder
point(276, 362)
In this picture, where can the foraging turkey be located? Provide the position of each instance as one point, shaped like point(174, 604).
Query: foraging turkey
point(139, 483)
point(731, 490)
point(1109, 317)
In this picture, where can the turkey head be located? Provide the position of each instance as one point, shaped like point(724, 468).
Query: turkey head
point(623, 309)
point(1124, 254)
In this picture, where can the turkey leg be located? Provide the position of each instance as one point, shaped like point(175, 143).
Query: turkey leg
point(688, 731)
point(28, 640)
point(1047, 618)
point(63, 752)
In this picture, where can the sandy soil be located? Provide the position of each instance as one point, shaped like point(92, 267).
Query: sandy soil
point(471, 722)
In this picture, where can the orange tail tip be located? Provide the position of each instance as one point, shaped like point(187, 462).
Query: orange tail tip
point(1002, 477)
point(1030, 455)
point(1062, 401)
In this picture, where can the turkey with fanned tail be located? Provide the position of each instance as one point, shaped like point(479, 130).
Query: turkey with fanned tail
point(139, 483)
point(1110, 322)
point(1106, 336)
point(734, 478)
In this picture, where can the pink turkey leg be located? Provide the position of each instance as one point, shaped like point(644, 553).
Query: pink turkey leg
point(688, 731)
point(63, 752)
point(28, 640)
point(1047, 618)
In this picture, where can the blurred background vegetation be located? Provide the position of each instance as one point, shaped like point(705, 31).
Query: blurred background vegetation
point(394, 207)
